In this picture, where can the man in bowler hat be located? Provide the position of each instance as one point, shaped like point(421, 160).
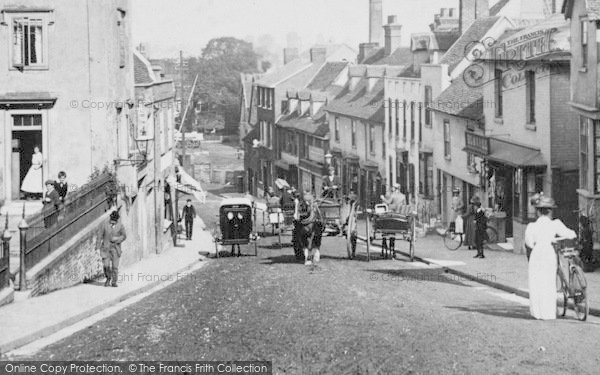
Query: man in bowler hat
point(111, 237)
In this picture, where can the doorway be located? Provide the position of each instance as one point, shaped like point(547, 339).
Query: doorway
point(23, 143)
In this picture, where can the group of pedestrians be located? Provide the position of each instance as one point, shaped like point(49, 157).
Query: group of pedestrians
point(471, 221)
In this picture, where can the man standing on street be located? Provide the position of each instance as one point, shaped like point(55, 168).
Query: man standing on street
point(188, 213)
point(111, 237)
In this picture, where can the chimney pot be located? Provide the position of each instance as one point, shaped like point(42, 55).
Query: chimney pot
point(375, 21)
point(393, 35)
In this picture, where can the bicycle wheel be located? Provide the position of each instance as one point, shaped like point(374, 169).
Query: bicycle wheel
point(491, 235)
point(579, 289)
point(452, 240)
point(561, 295)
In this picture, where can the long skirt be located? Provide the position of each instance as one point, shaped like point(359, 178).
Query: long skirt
point(470, 228)
point(32, 183)
point(542, 282)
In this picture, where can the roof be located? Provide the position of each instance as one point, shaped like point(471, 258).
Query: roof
point(553, 34)
point(494, 10)
point(592, 8)
point(330, 48)
point(284, 72)
point(142, 70)
point(475, 33)
point(360, 102)
point(401, 56)
point(316, 125)
point(461, 100)
point(236, 201)
point(514, 155)
point(445, 39)
point(328, 73)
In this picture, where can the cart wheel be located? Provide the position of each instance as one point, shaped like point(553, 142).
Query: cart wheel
point(452, 240)
point(368, 240)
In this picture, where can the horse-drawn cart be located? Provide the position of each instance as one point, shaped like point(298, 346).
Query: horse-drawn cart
point(236, 221)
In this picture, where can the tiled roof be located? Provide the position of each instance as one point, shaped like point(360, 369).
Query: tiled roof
point(328, 73)
point(141, 70)
point(473, 34)
point(445, 39)
point(316, 126)
point(284, 72)
point(461, 100)
point(367, 105)
point(401, 56)
point(494, 10)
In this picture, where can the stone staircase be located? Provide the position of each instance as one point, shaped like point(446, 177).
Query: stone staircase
point(14, 211)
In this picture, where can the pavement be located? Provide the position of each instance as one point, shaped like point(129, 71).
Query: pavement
point(500, 269)
point(29, 319)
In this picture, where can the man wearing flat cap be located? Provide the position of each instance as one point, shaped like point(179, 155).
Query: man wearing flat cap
point(111, 237)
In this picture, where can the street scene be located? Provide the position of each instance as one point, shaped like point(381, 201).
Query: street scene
point(280, 187)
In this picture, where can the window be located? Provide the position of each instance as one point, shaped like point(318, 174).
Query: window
point(584, 44)
point(270, 98)
point(397, 117)
point(383, 150)
point(123, 43)
point(371, 138)
point(583, 152)
point(412, 121)
point(336, 128)
point(428, 100)
point(426, 174)
point(527, 182)
point(517, 189)
point(498, 91)
point(470, 161)
point(596, 156)
point(404, 119)
point(530, 84)
point(28, 121)
point(284, 106)
point(29, 42)
point(447, 139)
point(420, 122)
point(353, 130)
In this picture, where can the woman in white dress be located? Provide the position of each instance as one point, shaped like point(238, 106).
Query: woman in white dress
point(542, 263)
point(32, 183)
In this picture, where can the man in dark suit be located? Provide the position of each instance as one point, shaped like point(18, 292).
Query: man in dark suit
point(51, 198)
point(61, 186)
point(330, 184)
point(111, 237)
point(188, 214)
point(480, 228)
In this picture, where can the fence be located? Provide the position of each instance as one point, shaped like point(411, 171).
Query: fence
point(52, 228)
point(4, 270)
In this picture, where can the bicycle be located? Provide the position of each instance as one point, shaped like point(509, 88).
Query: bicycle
point(453, 240)
point(575, 287)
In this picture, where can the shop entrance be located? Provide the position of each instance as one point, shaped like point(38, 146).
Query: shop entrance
point(502, 197)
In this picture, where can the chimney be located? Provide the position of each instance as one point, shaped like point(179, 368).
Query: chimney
point(392, 35)
point(315, 105)
point(290, 54)
point(471, 10)
point(365, 50)
point(318, 54)
point(375, 21)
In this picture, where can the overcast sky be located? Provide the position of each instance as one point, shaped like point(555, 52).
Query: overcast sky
point(170, 25)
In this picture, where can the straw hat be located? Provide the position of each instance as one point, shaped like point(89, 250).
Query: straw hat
point(545, 202)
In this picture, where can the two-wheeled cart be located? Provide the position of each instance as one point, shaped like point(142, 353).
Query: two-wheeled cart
point(236, 221)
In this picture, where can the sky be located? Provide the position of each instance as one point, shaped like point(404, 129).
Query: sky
point(167, 26)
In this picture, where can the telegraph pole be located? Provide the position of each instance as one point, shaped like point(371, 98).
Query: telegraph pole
point(181, 128)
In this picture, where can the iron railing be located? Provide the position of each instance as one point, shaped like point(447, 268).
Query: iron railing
point(51, 228)
point(4, 265)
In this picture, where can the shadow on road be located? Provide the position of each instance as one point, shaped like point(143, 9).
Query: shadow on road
point(506, 311)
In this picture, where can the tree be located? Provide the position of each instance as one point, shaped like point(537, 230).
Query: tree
point(219, 85)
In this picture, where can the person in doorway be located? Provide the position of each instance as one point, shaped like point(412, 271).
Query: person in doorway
point(539, 236)
point(32, 183)
point(188, 213)
point(480, 228)
point(61, 187)
point(112, 236)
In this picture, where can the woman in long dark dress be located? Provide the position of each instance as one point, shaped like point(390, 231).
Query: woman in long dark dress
point(469, 223)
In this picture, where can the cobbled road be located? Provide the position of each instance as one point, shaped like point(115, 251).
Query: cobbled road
point(349, 317)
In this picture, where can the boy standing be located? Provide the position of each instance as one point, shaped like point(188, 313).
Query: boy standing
point(61, 186)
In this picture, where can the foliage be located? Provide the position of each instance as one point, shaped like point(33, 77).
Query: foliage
point(218, 90)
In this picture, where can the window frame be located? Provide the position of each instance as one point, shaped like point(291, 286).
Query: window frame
point(584, 152)
point(353, 132)
point(371, 139)
point(404, 129)
point(584, 30)
point(412, 120)
point(44, 17)
point(336, 128)
point(397, 119)
point(498, 95)
point(428, 99)
point(530, 96)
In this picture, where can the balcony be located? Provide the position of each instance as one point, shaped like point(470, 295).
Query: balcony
point(477, 144)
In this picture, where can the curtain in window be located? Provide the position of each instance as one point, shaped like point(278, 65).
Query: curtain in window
point(18, 42)
point(35, 42)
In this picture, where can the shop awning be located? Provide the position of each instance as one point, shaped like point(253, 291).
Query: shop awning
point(515, 155)
point(187, 185)
point(282, 164)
